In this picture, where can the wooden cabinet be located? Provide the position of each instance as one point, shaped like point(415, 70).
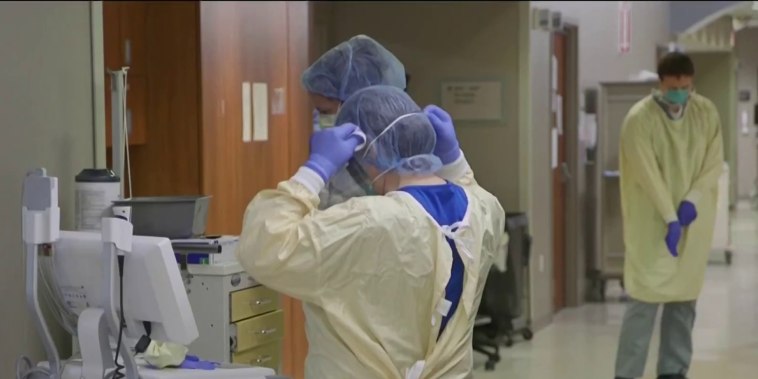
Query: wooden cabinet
point(188, 62)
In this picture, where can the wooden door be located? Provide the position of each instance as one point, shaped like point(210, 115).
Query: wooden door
point(169, 161)
point(560, 171)
point(255, 42)
point(300, 48)
point(241, 42)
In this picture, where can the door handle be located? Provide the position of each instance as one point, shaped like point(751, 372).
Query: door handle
point(565, 171)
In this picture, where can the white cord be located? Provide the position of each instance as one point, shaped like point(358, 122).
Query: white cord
point(62, 314)
point(29, 369)
point(125, 131)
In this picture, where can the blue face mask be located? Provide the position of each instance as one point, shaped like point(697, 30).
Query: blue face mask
point(677, 96)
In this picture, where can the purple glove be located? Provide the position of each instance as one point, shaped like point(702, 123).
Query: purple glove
point(673, 236)
point(192, 362)
point(447, 148)
point(687, 213)
point(331, 149)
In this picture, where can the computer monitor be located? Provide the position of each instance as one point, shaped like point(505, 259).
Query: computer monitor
point(153, 286)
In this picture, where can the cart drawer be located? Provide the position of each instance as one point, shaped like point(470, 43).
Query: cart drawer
point(252, 302)
point(259, 330)
point(267, 355)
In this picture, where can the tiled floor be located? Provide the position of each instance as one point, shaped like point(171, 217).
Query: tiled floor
point(581, 343)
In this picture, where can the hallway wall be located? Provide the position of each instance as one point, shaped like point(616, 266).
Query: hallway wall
point(599, 61)
point(472, 41)
point(432, 51)
point(46, 115)
point(747, 80)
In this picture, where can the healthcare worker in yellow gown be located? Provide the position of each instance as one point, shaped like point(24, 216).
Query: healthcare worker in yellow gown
point(390, 282)
point(671, 158)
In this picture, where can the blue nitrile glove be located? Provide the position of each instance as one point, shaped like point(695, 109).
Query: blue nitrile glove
point(673, 236)
point(447, 148)
point(192, 362)
point(332, 148)
point(687, 213)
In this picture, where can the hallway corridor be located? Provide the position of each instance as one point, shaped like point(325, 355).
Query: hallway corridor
point(581, 343)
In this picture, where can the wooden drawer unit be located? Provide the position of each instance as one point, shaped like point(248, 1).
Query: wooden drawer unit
point(267, 355)
point(259, 330)
point(253, 302)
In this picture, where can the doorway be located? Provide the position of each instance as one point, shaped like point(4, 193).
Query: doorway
point(567, 169)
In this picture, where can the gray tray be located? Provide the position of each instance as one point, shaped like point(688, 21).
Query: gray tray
point(168, 216)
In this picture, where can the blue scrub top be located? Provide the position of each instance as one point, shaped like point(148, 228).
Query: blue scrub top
point(447, 204)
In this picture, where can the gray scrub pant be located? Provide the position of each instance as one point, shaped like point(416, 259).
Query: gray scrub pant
point(675, 351)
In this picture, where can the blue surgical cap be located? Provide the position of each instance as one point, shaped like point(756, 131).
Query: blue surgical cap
point(399, 136)
point(357, 63)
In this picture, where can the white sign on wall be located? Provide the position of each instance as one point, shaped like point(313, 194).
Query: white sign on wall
point(625, 27)
point(473, 100)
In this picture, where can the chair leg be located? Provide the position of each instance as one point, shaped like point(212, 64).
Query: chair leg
point(492, 357)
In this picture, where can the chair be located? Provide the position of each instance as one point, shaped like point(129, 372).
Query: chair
point(505, 295)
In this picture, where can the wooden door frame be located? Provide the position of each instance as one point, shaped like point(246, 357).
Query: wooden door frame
point(574, 254)
point(573, 221)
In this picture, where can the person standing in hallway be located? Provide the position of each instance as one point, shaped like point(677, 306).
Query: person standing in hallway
point(671, 157)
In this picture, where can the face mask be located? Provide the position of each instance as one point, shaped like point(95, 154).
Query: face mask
point(677, 96)
point(360, 176)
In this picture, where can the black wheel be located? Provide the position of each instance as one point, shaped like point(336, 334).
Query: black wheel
point(622, 283)
point(508, 342)
point(489, 366)
point(527, 334)
point(728, 256)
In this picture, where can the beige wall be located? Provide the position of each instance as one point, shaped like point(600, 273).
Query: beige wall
point(474, 40)
point(747, 80)
point(46, 119)
point(716, 79)
point(540, 178)
point(598, 61)
point(443, 41)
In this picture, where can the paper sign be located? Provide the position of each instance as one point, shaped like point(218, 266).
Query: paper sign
point(260, 112)
point(473, 100)
point(591, 121)
point(745, 120)
point(247, 123)
point(554, 74)
point(554, 148)
point(625, 27)
point(559, 114)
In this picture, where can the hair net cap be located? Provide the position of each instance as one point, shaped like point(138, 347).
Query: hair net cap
point(352, 65)
point(399, 136)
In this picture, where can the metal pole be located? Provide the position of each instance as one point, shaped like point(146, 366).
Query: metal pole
point(118, 92)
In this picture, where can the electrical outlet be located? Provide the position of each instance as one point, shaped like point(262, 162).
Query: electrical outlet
point(542, 263)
